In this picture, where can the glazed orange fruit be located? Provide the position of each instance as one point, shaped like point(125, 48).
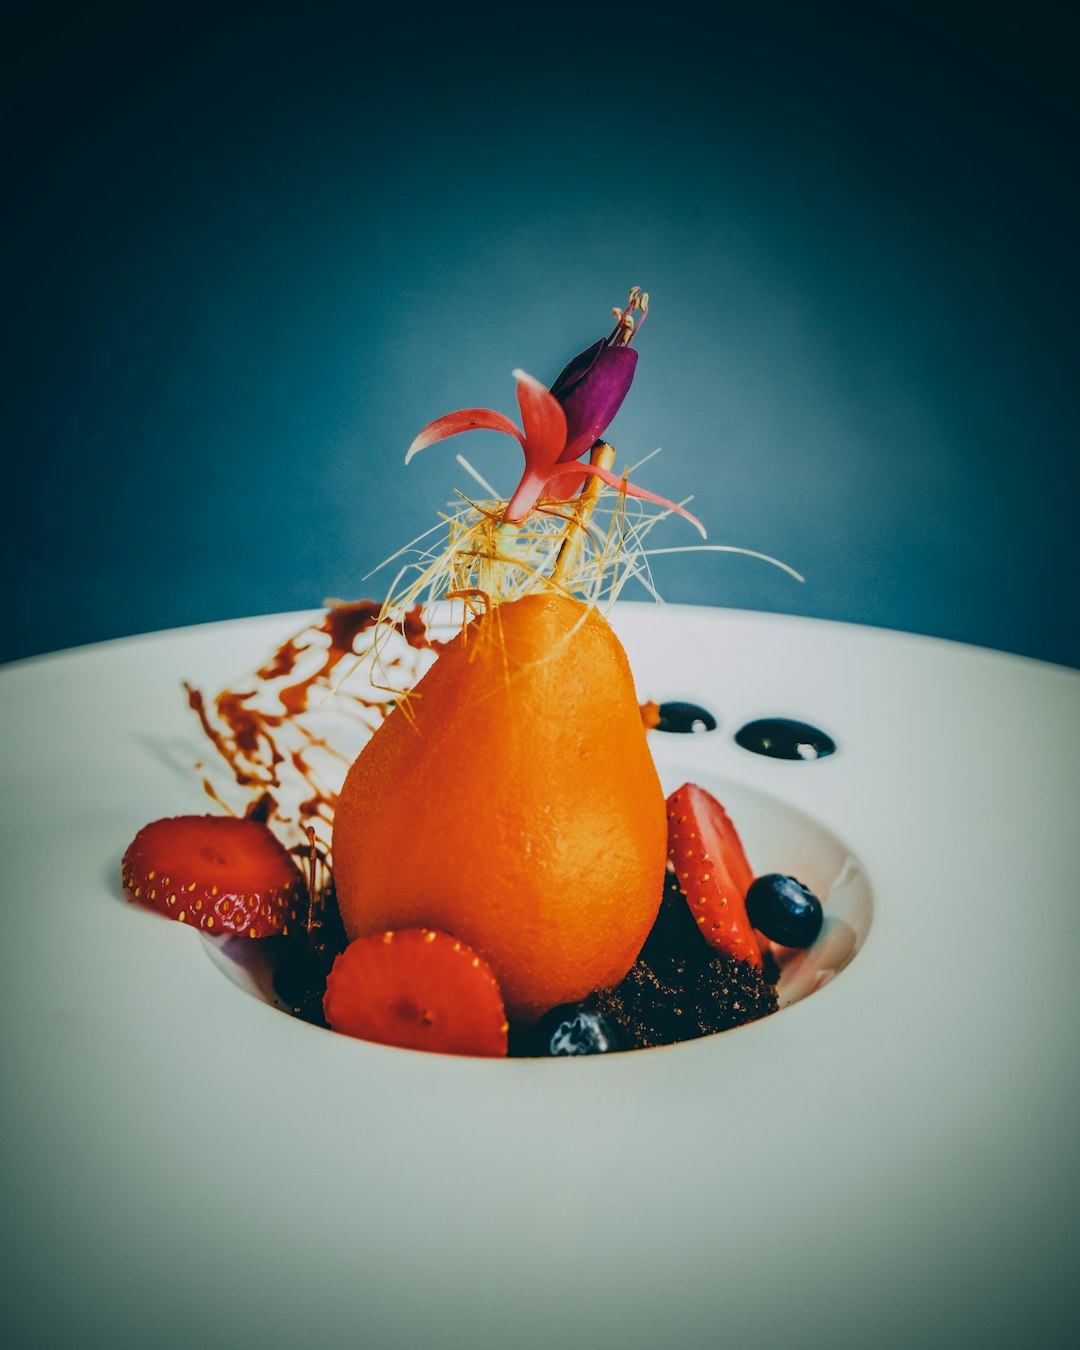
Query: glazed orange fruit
point(511, 800)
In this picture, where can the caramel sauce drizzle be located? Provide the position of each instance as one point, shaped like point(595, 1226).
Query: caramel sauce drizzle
point(262, 728)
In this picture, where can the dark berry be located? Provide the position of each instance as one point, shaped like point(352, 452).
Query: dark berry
point(572, 1030)
point(784, 910)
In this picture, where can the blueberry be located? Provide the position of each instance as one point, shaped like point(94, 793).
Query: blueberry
point(784, 910)
point(572, 1030)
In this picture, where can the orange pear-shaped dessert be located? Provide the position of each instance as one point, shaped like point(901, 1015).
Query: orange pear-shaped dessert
point(511, 801)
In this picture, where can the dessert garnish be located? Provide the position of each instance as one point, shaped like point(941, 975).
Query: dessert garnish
point(223, 874)
point(712, 870)
point(492, 866)
point(563, 423)
point(784, 910)
point(785, 738)
point(678, 989)
point(418, 988)
point(269, 730)
point(680, 718)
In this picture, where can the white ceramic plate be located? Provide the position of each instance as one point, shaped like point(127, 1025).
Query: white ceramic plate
point(891, 1162)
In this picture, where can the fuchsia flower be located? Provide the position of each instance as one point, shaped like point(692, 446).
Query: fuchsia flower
point(563, 423)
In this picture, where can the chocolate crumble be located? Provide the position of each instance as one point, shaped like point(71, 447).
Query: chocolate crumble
point(681, 988)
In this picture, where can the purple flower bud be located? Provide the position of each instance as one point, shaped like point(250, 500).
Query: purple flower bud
point(591, 390)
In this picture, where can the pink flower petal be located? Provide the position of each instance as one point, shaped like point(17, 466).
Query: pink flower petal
point(621, 485)
point(544, 422)
point(468, 419)
point(527, 493)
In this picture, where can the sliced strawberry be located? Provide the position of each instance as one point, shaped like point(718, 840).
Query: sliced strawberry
point(420, 989)
point(219, 873)
point(712, 870)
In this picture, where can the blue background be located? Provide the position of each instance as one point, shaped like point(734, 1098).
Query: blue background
point(252, 252)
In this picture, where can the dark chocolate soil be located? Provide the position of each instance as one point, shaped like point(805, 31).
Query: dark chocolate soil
point(302, 961)
point(678, 989)
point(681, 988)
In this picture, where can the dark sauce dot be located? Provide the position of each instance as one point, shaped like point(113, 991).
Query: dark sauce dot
point(784, 738)
point(684, 717)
